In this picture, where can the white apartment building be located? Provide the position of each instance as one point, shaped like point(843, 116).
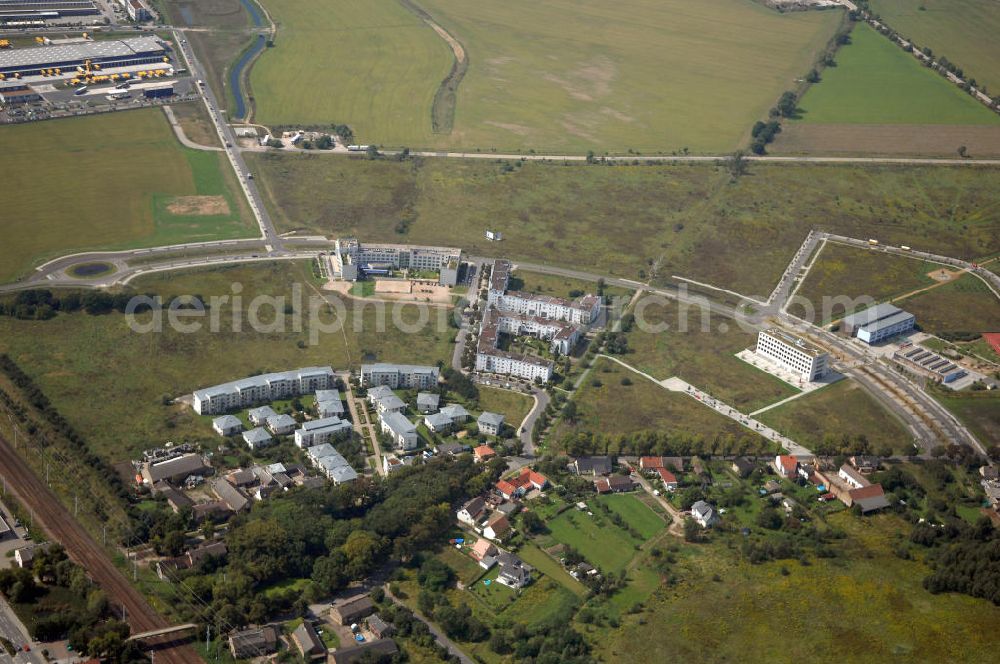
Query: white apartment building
point(317, 432)
point(265, 387)
point(493, 360)
point(562, 336)
point(798, 356)
point(402, 431)
point(399, 376)
point(581, 311)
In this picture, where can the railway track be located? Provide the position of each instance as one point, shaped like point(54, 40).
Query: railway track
point(60, 527)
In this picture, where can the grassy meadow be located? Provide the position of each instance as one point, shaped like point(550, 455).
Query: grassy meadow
point(370, 64)
point(703, 356)
point(844, 271)
point(843, 408)
point(979, 411)
point(512, 405)
point(557, 76)
point(964, 31)
point(615, 220)
point(876, 82)
point(613, 409)
point(106, 182)
point(80, 360)
point(963, 305)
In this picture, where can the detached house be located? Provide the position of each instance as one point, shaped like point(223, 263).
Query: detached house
point(227, 425)
point(497, 528)
point(514, 572)
point(472, 512)
point(490, 424)
point(668, 478)
point(704, 514)
point(786, 466)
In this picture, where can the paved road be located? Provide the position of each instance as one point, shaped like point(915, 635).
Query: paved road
point(14, 631)
point(541, 402)
point(438, 634)
point(61, 527)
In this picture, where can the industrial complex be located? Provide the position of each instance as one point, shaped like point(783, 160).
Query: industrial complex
point(67, 59)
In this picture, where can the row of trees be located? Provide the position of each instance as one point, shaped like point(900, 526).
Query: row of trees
point(663, 443)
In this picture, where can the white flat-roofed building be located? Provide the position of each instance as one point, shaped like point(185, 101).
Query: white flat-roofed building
point(351, 257)
point(402, 431)
point(491, 359)
point(581, 311)
point(878, 323)
point(795, 354)
point(398, 376)
point(265, 387)
point(316, 432)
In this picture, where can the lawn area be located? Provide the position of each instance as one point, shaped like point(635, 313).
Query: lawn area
point(617, 410)
point(735, 235)
point(965, 304)
point(197, 126)
point(118, 180)
point(964, 31)
point(80, 360)
point(979, 411)
point(391, 63)
point(544, 563)
point(636, 513)
point(876, 82)
point(601, 542)
point(466, 569)
point(554, 76)
point(672, 340)
point(556, 285)
point(841, 272)
point(512, 405)
point(843, 408)
point(865, 605)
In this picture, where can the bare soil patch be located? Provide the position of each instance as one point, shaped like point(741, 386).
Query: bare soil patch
point(390, 286)
point(198, 206)
point(944, 275)
point(888, 140)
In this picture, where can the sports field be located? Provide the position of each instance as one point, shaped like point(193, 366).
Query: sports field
point(964, 31)
point(876, 82)
point(841, 409)
point(555, 76)
point(110, 182)
point(736, 235)
point(370, 64)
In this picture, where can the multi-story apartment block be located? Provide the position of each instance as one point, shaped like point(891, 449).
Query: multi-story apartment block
point(265, 387)
point(399, 376)
point(351, 259)
point(793, 353)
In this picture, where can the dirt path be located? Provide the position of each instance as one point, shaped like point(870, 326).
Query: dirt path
point(952, 276)
point(60, 527)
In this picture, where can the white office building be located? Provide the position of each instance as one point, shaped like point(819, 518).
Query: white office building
point(878, 323)
point(794, 354)
point(265, 387)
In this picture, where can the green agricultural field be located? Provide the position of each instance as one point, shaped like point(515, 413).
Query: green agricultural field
point(79, 359)
point(702, 351)
point(964, 305)
point(876, 82)
point(370, 64)
point(964, 31)
point(110, 182)
point(735, 235)
point(555, 76)
point(848, 273)
point(614, 410)
point(864, 605)
point(843, 408)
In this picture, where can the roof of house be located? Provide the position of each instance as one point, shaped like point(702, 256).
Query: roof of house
point(475, 505)
point(227, 422)
point(437, 420)
point(667, 476)
point(307, 639)
point(352, 654)
point(490, 419)
point(527, 477)
point(483, 451)
point(399, 424)
point(855, 475)
point(702, 509)
point(499, 523)
point(186, 464)
point(327, 395)
point(261, 413)
point(428, 399)
point(506, 488)
point(317, 452)
point(391, 402)
point(870, 491)
point(256, 639)
point(744, 464)
point(256, 435)
point(215, 549)
point(379, 392)
point(378, 625)
point(235, 499)
point(651, 462)
point(483, 548)
point(242, 477)
point(454, 410)
point(872, 503)
point(451, 448)
point(354, 606)
point(593, 464)
point(281, 421)
point(788, 462)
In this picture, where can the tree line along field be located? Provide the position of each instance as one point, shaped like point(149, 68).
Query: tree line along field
point(650, 75)
point(80, 359)
point(737, 235)
point(964, 31)
point(108, 182)
point(875, 81)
